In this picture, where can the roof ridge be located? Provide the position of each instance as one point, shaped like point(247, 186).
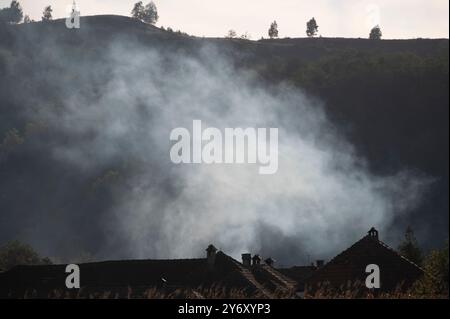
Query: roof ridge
point(128, 260)
point(105, 262)
point(400, 255)
point(378, 241)
point(281, 277)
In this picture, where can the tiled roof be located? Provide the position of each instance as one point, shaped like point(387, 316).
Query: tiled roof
point(349, 266)
point(261, 280)
point(299, 273)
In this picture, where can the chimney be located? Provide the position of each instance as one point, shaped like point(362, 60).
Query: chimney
point(211, 255)
point(256, 260)
point(269, 261)
point(320, 263)
point(246, 260)
point(373, 233)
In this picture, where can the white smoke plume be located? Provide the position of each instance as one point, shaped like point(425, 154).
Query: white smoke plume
point(322, 198)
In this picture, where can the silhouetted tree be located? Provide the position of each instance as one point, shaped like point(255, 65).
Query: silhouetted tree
point(147, 13)
point(150, 13)
point(312, 28)
point(273, 30)
point(435, 281)
point(138, 11)
point(375, 33)
point(16, 253)
point(409, 248)
point(47, 14)
point(246, 36)
point(16, 12)
point(13, 14)
point(231, 34)
point(27, 19)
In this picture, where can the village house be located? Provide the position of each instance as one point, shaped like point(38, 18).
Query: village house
point(348, 269)
point(217, 276)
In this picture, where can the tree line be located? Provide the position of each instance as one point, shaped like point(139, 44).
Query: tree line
point(312, 29)
point(149, 14)
point(14, 14)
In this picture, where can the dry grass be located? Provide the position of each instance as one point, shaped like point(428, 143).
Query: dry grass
point(356, 290)
point(213, 292)
point(353, 290)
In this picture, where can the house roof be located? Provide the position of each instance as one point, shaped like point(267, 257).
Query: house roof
point(261, 281)
point(299, 273)
point(349, 266)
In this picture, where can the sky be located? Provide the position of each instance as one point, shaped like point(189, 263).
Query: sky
point(343, 18)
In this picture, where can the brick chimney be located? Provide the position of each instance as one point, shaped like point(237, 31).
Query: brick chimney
point(256, 260)
point(246, 260)
point(373, 233)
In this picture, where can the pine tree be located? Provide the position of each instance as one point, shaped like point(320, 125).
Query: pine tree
point(12, 14)
point(273, 30)
point(47, 14)
point(312, 28)
point(410, 249)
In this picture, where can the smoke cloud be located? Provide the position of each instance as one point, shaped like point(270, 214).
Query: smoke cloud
point(114, 114)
